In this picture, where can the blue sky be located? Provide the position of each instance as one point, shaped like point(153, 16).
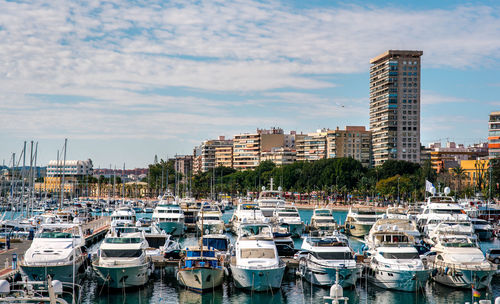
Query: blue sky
point(125, 80)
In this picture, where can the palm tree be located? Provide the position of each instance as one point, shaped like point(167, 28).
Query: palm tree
point(459, 174)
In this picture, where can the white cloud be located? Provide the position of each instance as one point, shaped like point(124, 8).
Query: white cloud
point(111, 51)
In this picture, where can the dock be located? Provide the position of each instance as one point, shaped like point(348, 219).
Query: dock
point(96, 230)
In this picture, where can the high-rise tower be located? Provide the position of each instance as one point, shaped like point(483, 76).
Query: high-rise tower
point(395, 106)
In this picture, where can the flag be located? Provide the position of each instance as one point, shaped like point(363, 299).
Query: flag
point(475, 293)
point(428, 186)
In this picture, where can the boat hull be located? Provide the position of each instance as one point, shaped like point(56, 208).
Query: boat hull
point(402, 280)
point(258, 279)
point(63, 273)
point(359, 229)
point(326, 276)
point(201, 279)
point(122, 276)
point(458, 278)
point(172, 228)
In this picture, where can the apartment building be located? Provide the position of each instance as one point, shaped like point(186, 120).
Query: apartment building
point(354, 141)
point(395, 106)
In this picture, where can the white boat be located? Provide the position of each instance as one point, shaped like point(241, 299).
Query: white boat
point(450, 227)
point(438, 209)
point(123, 216)
point(483, 229)
point(255, 264)
point(122, 260)
point(326, 256)
point(169, 217)
point(394, 262)
point(269, 200)
point(396, 213)
point(288, 216)
point(57, 250)
point(247, 213)
point(359, 221)
point(200, 269)
point(460, 263)
point(322, 219)
point(210, 219)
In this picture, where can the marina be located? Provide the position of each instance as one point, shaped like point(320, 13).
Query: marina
point(165, 281)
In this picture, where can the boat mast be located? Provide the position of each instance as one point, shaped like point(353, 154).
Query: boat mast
point(63, 171)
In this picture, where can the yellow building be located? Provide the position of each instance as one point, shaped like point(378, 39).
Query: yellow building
point(52, 184)
point(475, 170)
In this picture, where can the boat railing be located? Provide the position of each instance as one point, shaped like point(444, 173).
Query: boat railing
point(486, 266)
point(90, 227)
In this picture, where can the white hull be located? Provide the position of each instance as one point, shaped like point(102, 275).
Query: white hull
point(258, 279)
point(464, 278)
point(326, 276)
point(122, 276)
point(402, 280)
point(200, 279)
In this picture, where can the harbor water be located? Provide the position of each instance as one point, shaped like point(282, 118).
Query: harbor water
point(163, 287)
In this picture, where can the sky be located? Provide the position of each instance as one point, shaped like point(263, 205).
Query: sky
point(124, 81)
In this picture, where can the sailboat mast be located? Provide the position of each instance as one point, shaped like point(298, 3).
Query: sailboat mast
point(63, 173)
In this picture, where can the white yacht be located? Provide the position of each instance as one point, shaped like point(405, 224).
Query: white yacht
point(460, 263)
point(438, 209)
point(169, 217)
point(396, 213)
point(322, 219)
point(210, 219)
point(452, 227)
point(269, 200)
point(483, 229)
point(255, 264)
point(288, 216)
point(394, 261)
point(326, 256)
point(359, 221)
point(123, 216)
point(122, 260)
point(57, 250)
point(247, 213)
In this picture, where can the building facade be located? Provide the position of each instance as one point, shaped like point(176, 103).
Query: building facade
point(451, 155)
point(204, 155)
point(312, 146)
point(494, 135)
point(224, 156)
point(354, 141)
point(395, 106)
point(184, 165)
point(248, 147)
point(280, 156)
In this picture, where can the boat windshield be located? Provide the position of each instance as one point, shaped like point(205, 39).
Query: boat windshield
point(324, 220)
point(333, 255)
point(219, 244)
point(122, 240)
point(257, 231)
point(288, 214)
point(211, 218)
point(322, 213)
point(121, 253)
point(401, 255)
point(447, 211)
point(459, 244)
point(55, 235)
point(257, 253)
